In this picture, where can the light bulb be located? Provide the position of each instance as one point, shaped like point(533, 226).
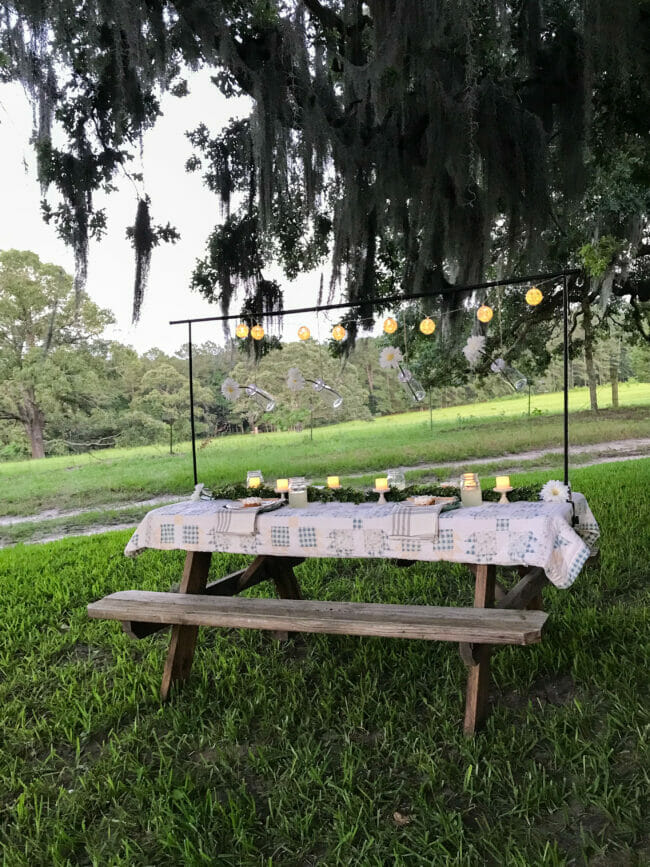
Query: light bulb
point(534, 296)
point(257, 332)
point(427, 326)
point(242, 330)
point(304, 333)
point(338, 332)
point(390, 325)
point(484, 313)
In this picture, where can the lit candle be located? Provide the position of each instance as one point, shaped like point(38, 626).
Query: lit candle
point(381, 484)
point(502, 482)
point(254, 482)
point(333, 482)
point(282, 485)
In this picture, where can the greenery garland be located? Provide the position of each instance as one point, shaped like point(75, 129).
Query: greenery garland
point(361, 495)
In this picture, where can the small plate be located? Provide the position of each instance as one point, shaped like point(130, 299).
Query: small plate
point(252, 502)
point(429, 500)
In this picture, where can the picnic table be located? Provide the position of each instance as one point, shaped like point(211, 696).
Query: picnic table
point(544, 542)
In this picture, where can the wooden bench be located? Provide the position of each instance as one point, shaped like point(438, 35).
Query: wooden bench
point(473, 625)
point(516, 618)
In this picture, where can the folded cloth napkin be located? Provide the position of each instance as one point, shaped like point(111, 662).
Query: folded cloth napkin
point(234, 518)
point(419, 522)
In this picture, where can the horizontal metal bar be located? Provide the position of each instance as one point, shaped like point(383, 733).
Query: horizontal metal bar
point(379, 302)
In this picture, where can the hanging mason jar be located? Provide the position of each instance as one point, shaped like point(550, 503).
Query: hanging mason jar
point(411, 384)
point(515, 378)
point(262, 398)
point(321, 386)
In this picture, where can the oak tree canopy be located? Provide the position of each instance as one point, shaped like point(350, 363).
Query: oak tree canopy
point(398, 139)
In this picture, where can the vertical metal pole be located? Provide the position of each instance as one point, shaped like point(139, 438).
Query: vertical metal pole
point(565, 320)
point(189, 343)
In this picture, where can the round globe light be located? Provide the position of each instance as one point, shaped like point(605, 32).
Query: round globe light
point(534, 296)
point(484, 313)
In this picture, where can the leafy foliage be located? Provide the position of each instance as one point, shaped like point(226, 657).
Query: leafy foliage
point(381, 133)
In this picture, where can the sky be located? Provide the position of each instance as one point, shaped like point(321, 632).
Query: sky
point(176, 197)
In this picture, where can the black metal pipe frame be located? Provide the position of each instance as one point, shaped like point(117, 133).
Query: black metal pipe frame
point(189, 347)
point(382, 302)
point(565, 324)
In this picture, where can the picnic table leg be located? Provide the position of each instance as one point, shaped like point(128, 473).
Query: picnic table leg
point(478, 678)
point(183, 643)
point(537, 603)
point(286, 585)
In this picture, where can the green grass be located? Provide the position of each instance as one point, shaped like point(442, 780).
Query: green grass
point(302, 754)
point(459, 433)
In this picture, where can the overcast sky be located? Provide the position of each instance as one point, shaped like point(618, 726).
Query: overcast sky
point(176, 197)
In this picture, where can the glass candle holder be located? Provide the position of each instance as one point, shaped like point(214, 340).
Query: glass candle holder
point(254, 479)
point(470, 490)
point(298, 492)
point(396, 479)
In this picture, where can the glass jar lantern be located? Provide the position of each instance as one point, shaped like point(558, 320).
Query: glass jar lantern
point(470, 490)
point(298, 492)
point(396, 479)
point(254, 479)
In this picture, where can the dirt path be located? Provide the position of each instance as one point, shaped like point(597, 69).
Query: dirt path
point(619, 450)
point(625, 450)
point(49, 514)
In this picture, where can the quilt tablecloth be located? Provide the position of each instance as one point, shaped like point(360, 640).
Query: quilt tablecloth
point(513, 534)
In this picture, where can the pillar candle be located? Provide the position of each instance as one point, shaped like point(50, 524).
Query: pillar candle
point(333, 482)
point(502, 482)
point(381, 484)
point(282, 485)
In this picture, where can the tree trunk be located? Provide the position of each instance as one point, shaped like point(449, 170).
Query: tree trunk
point(34, 428)
point(613, 377)
point(614, 362)
point(589, 353)
point(34, 420)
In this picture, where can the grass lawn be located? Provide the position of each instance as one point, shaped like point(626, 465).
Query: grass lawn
point(329, 750)
point(459, 433)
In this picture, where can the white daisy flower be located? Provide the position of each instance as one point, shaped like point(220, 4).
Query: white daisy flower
point(230, 389)
point(390, 356)
point(554, 492)
point(295, 379)
point(474, 348)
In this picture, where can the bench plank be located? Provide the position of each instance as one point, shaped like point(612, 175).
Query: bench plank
point(305, 615)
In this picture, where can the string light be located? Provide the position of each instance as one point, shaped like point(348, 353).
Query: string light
point(390, 325)
point(484, 313)
point(257, 332)
point(304, 333)
point(242, 330)
point(339, 332)
point(534, 296)
point(427, 326)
